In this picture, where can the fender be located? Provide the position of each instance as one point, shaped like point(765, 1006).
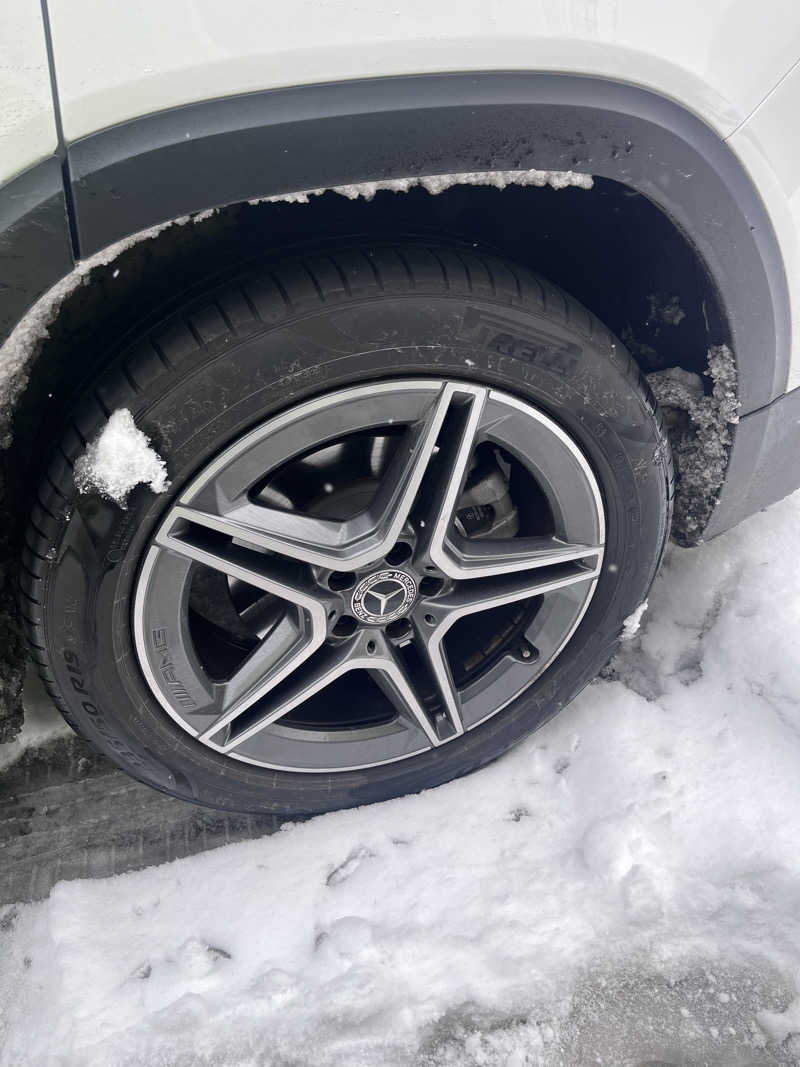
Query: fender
point(157, 167)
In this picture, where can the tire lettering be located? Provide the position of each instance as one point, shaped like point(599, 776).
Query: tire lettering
point(493, 332)
point(167, 668)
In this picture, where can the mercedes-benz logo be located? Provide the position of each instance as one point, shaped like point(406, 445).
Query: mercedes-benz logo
point(383, 597)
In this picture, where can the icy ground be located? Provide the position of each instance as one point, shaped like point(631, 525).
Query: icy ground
point(622, 889)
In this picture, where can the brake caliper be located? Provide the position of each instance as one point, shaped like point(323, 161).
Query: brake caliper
point(485, 508)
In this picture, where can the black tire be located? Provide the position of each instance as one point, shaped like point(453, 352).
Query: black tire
point(251, 348)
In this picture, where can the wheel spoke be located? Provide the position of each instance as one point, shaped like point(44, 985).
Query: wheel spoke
point(461, 558)
point(431, 651)
point(482, 594)
point(434, 618)
point(390, 674)
point(264, 572)
point(355, 543)
point(268, 665)
point(366, 650)
point(298, 635)
point(445, 482)
point(329, 664)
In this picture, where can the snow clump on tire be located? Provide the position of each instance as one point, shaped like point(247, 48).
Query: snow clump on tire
point(119, 459)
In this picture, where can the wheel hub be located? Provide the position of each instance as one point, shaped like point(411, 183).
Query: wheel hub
point(383, 597)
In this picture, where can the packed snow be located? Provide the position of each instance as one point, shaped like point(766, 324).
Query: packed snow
point(621, 889)
point(439, 183)
point(700, 434)
point(120, 458)
point(42, 724)
point(630, 626)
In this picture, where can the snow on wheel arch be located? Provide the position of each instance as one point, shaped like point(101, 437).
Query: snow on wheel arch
point(440, 183)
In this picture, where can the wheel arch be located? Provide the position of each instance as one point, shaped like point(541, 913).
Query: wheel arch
point(155, 168)
point(148, 171)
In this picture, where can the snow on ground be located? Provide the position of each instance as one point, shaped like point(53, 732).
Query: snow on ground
point(622, 889)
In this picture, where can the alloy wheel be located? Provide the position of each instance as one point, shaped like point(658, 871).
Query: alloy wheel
point(369, 575)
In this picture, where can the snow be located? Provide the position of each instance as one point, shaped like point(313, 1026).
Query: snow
point(42, 723)
point(779, 1025)
point(700, 435)
point(119, 459)
point(630, 626)
point(439, 183)
point(620, 889)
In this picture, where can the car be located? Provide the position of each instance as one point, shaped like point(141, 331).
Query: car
point(360, 359)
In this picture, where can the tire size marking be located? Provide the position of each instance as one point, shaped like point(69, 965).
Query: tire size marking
point(77, 678)
point(76, 675)
point(68, 621)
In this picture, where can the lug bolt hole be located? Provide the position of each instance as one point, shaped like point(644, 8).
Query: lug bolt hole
point(399, 554)
point(398, 629)
point(339, 580)
point(430, 619)
point(345, 626)
point(371, 646)
point(431, 586)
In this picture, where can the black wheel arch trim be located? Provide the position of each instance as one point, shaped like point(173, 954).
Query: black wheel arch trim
point(160, 166)
point(763, 463)
point(35, 248)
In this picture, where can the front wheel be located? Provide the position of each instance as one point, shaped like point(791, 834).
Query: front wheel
point(414, 493)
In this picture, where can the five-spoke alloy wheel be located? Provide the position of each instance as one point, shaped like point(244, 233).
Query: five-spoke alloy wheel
point(339, 533)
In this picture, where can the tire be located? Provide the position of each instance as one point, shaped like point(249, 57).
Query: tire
point(262, 345)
